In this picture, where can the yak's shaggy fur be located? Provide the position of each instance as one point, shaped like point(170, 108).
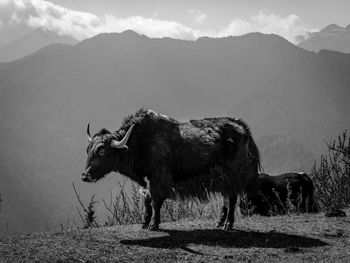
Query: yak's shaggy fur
point(183, 159)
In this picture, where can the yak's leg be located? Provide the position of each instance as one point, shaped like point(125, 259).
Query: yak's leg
point(223, 212)
point(312, 205)
point(230, 219)
point(303, 205)
point(307, 199)
point(155, 220)
point(306, 203)
point(160, 186)
point(148, 212)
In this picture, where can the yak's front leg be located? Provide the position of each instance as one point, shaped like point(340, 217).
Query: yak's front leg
point(160, 186)
point(148, 206)
point(148, 212)
point(155, 220)
point(230, 219)
point(223, 212)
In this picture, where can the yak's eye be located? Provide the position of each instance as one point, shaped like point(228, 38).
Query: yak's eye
point(101, 151)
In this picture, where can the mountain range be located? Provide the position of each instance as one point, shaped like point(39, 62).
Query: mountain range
point(30, 43)
point(291, 98)
point(332, 37)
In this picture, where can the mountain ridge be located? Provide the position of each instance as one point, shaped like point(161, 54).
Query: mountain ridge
point(30, 43)
point(332, 37)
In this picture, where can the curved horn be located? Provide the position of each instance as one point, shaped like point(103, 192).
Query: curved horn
point(88, 131)
point(123, 142)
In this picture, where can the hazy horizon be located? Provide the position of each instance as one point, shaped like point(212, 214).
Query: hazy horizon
point(180, 19)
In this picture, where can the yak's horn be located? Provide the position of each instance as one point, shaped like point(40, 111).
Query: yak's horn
point(123, 142)
point(88, 131)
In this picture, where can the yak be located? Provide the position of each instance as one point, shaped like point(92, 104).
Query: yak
point(276, 193)
point(178, 160)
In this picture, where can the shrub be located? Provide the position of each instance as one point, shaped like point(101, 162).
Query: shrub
point(331, 176)
point(89, 217)
point(246, 206)
point(124, 209)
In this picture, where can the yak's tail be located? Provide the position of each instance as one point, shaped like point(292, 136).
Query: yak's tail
point(250, 145)
point(251, 158)
point(312, 204)
point(254, 153)
point(254, 163)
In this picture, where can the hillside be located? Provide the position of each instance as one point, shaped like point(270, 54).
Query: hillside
point(307, 238)
point(291, 99)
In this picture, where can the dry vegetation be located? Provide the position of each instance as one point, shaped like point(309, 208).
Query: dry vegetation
point(124, 208)
point(331, 176)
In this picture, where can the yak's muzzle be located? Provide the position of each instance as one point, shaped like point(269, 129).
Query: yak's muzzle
point(86, 176)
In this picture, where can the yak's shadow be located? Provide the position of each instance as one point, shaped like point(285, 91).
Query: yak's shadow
point(234, 239)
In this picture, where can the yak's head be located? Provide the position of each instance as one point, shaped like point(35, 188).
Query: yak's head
point(102, 151)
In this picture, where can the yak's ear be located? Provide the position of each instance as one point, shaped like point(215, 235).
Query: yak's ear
point(124, 149)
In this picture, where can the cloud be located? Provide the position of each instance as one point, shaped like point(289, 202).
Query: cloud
point(152, 27)
point(198, 16)
point(19, 16)
point(288, 27)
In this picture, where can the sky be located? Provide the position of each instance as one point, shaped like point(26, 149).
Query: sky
point(182, 19)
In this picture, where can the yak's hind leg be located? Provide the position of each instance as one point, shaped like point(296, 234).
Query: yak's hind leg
point(230, 218)
point(151, 219)
point(227, 214)
point(155, 220)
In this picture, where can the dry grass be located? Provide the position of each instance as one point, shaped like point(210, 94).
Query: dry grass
point(302, 238)
point(127, 207)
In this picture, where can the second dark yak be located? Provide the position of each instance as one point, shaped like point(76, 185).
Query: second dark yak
point(280, 193)
point(178, 160)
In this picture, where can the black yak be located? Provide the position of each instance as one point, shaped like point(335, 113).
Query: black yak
point(274, 193)
point(180, 160)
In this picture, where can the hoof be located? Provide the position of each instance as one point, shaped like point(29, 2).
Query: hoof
point(228, 227)
point(219, 225)
point(153, 227)
point(144, 226)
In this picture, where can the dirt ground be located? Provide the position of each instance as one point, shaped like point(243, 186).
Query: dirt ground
point(302, 238)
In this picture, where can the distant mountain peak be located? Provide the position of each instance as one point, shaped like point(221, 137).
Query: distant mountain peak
point(332, 28)
point(130, 32)
point(128, 35)
point(332, 37)
point(32, 42)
